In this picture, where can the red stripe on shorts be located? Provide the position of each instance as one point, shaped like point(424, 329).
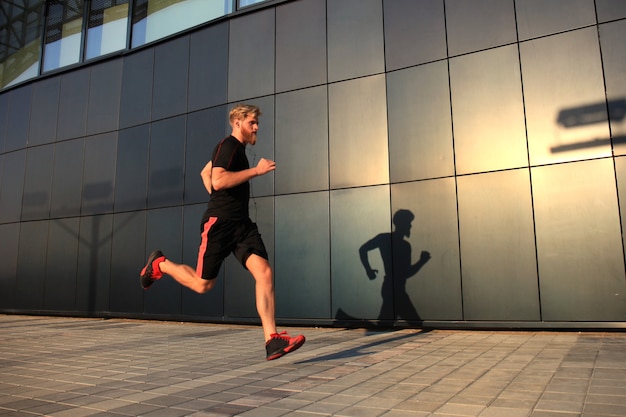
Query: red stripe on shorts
point(203, 244)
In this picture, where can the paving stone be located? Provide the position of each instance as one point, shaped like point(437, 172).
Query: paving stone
point(74, 367)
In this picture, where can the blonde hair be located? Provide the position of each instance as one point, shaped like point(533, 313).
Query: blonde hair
point(241, 111)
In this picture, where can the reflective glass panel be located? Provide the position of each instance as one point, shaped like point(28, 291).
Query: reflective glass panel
point(473, 25)
point(244, 3)
point(487, 110)
point(156, 19)
point(537, 18)
point(64, 25)
point(106, 28)
point(610, 9)
point(20, 40)
point(415, 32)
point(566, 113)
point(579, 244)
point(498, 246)
point(420, 127)
point(358, 146)
point(612, 37)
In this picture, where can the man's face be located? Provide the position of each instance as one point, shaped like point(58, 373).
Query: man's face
point(249, 127)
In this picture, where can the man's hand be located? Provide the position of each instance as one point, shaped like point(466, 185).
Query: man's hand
point(264, 166)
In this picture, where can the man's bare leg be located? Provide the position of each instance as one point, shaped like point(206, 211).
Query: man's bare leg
point(265, 303)
point(186, 276)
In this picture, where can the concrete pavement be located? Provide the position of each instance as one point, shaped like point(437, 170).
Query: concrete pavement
point(57, 366)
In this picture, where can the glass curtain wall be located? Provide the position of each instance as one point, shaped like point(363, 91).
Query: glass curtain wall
point(155, 19)
point(107, 27)
point(64, 25)
point(77, 30)
point(20, 40)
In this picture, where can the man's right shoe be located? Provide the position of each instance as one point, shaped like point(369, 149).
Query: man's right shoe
point(151, 272)
point(281, 343)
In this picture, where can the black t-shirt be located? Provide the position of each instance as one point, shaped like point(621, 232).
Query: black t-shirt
point(230, 203)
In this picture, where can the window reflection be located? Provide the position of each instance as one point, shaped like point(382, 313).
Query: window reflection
point(155, 19)
point(64, 25)
point(244, 3)
point(107, 26)
point(20, 41)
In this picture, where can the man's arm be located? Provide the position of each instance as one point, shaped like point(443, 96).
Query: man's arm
point(222, 179)
point(206, 176)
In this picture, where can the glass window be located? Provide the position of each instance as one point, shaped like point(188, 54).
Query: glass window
point(20, 41)
point(106, 28)
point(64, 25)
point(155, 19)
point(244, 3)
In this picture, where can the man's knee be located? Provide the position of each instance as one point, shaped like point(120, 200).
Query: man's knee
point(205, 286)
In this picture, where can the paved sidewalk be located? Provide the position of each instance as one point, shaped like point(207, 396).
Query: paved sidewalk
point(87, 367)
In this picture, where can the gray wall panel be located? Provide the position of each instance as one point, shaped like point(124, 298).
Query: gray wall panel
point(303, 256)
point(610, 10)
point(44, 111)
point(137, 79)
point(300, 45)
point(251, 56)
point(434, 290)
point(579, 244)
point(38, 183)
point(171, 72)
point(415, 32)
point(61, 263)
point(73, 104)
point(208, 67)
point(358, 133)
point(94, 264)
point(128, 256)
point(104, 97)
point(166, 167)
point(352, 224)
point(164, 232)
point(620, 174)
point(355, 39)
point(18, 118)
point(131, 175)
point(31, 265)
point(537, 18)
point(488, 112)
point(67, 178)
point(302, 141)
point(12, 186)
point(420, 123)
point(99, 174)
point(4, 115)
point(9, 242)
point(499, 269)
point(473, 25)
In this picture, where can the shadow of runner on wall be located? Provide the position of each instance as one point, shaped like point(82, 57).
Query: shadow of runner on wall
point(395, 252)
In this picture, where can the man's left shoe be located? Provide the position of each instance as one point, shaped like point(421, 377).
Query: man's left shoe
point(281, 343)
point(151, 272)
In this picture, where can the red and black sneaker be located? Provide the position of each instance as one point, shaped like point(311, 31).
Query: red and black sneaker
point(281, 343)
point(151, 272)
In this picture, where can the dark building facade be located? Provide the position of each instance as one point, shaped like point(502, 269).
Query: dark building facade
point(457, 163)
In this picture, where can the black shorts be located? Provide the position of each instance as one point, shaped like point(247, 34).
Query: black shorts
point(220, 237)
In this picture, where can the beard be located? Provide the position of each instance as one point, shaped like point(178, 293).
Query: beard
point(249, 136)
